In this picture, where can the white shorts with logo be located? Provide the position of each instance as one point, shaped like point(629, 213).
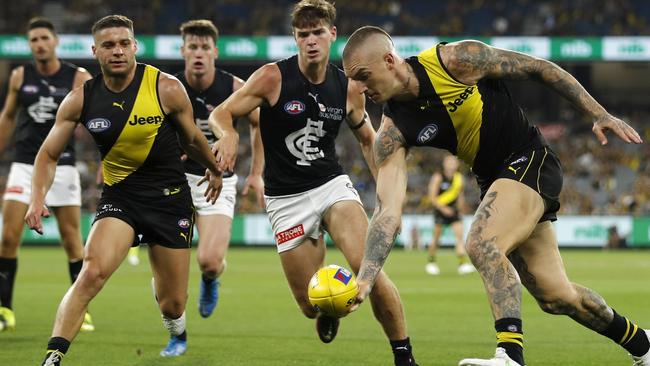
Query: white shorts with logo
point(65, 190)
point(225, 204)
point(298, 216)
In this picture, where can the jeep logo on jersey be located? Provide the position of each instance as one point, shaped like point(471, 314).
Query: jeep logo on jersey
point(98, 124)
point(145, 120)
point(427, 134)
point(294, 107)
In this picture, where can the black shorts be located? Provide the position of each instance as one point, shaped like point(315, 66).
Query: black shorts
point(441, 219)
point(540, 170)
point(164, 220)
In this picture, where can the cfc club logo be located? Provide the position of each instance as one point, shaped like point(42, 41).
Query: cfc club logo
point(343, 275)
point(427, 134)
point(184, 223)
point(98, 124)
point(294, 107)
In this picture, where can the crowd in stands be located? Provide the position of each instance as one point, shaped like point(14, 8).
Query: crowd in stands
point(400, 17)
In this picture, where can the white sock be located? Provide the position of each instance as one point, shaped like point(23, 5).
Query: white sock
point(175, 327)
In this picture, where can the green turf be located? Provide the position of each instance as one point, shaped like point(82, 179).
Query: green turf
point(258, 323)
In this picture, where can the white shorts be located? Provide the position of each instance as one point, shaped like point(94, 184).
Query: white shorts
point(225, 204)
point(65, 190)
point(298, 216)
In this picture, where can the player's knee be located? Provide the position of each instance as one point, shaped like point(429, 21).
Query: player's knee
point(10, 242)
point(92, 277)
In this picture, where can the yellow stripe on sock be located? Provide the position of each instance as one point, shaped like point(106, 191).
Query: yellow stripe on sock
point(631, 336)
point(509, 337)
point(627, 330)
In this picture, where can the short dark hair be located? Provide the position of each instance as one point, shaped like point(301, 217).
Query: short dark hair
point(40, 22)
point(360, 36)
point(201, 28)
point(112, 21)
point(308, 13)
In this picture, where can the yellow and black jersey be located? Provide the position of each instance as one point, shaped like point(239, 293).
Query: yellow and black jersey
point(450, 189)
point(479, 123)
point(138, 144)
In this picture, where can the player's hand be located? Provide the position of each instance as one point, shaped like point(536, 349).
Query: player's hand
point(34, 214)
point(225, 150)
point(364, 291)
point(215, 184)
point(183, 157)
point(616, 125)
point(256, 183)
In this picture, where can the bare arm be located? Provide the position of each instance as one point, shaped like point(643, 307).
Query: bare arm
point(263, 87)
point(461, 197)
point(359, 122)
point(390, 157)
point(81, 76)
point(470, 61)
point(434, 189)
point(8, 114)
point(45, 163)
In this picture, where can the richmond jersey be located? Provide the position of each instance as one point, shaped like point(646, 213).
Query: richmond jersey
point(138, 143)
point(39, 98)
point(203, 102)
point(300, 130)
point(450, 189)
point(479, 123)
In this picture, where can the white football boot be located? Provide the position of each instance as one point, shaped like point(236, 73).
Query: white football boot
point(500, 359)
point(432, 269)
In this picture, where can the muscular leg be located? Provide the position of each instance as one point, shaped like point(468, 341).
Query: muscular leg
point(459, 245)
point(541, 269)
point(214, 237)
point(347, 223)
point(170, 269)
point(435, 239)
point(69, 221)
point(108, 243)
point(13, 214)
point(299, 264)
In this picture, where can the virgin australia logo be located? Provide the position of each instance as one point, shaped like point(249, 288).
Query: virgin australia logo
point(427, 134)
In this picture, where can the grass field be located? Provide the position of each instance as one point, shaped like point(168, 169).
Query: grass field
point(258, 323)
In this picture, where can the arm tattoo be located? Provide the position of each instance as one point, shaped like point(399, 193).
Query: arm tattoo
point(475, 58)
point(387, 142)
point(381, 236)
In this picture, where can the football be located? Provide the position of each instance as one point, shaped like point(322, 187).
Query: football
point(332, 290)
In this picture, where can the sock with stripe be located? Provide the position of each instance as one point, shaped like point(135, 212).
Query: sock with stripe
point(74, 268)
point(56, 349)
point(628, 335)
point(510, 337)
point(8, 268)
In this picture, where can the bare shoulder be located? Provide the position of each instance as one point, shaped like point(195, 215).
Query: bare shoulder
point(266, 78)
point(466, 60)
point(169, 83)
point(71, 106)
point(81, 76)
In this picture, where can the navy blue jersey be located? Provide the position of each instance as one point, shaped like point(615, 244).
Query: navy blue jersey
point(299, 131)
point(39, 98)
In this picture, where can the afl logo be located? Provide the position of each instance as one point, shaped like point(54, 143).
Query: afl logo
point(294, 107)
point(184, 223)
point(427, 134)
point(98, 124)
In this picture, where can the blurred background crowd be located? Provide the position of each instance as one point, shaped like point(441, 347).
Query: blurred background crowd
point(597, 180)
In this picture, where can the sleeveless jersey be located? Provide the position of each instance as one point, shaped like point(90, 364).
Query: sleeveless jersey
point(39, 98)
point(450, 189)
point(479, 123)
point(203, 102)
point(138, 144)
point(299, 131)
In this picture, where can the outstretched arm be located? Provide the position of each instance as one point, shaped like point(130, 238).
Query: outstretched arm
point(470, 61)
point(45, 163)
point(263, 87)
point(390, 157)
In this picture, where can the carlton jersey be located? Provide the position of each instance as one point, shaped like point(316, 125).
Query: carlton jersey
point(203, 102)
point(300, 130)
point(450, 189)
point(39, 98)
point(138, 143)
point(479, 123)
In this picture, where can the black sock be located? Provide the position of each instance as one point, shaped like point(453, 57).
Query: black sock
point(431, 259)
point(628, 335)
point(510, 336)
point(207, 280)
point(402, 351)
point(56, 348)
point(74, 268)
point(182, 336)
point(8, 268)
